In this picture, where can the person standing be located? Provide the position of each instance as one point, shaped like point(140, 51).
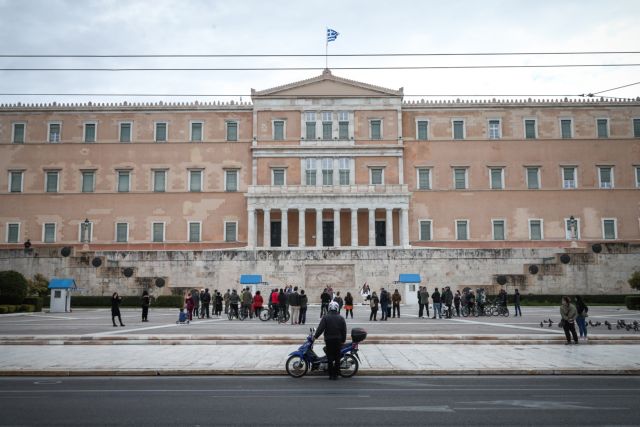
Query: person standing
point(447, 296)
point(325, 299)
point(339, 300)
point(115, 309)
point(456, 302)
point(247, 300)
point(395, 300)
point(293, 298)
point(188, 302)
point(219, 302)
point(206, 300)
point(282, 304)
point(437, 304)
point(516, 303)
point(373, 303)
point(146, 300)
point(334, 328)
point(581, 319)
point(234, 300)
point(423, 301)
point(258, 301)
point(226, 298)
point(569, 313)
point(195, 295)
point(502, 299)
point(302, 319)
point(384, 303)
point(348, 305)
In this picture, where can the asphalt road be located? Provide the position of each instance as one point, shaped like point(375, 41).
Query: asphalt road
point(162, 321)
point(192, 401)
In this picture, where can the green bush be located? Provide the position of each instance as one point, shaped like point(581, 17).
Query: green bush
point(127, 301)
point(13, 287)
point(36, 302)
point(12, 308)
point(634, 280)
point(169, 301)
point(633, 302)
point(27, 308)
point(3, 309)
point(38, 286)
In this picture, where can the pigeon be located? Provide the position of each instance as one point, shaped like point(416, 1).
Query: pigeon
point(591, 324)
point(598, 323)
point(541, 324)
point(550, 322)
point(607, 324)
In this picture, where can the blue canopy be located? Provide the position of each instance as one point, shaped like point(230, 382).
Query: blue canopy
point(55, 283)
point(250, 279)
point(409, 278)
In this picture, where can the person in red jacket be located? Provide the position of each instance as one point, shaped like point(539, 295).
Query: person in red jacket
point(188, 302)
point(274, 303)
point(257, 303)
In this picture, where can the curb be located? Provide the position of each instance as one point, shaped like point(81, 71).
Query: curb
point(266, 372)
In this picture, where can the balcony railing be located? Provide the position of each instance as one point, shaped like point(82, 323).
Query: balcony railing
point(328, 189)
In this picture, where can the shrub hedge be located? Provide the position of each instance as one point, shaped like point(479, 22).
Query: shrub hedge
point(633, 302)
point(4, 309)
point(13, 287)
point(168, 301)
point(36, 302)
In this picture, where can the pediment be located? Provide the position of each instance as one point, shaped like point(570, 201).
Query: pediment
point(326, 85)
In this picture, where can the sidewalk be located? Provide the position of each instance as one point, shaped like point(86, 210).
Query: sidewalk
point(269, 359)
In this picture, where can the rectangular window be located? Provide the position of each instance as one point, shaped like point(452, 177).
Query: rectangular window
point(230, 231)
point(15, 181)
point(310, 171)
point(533, 178)
point(124, 181)
point(194, 232)
point(535, 229)
point(609, 229)
point(458, 129)
point(606, 176)
point(13, 233)
point(88, 181)
point(376, 129)
point(49, 233)
point(158, 231)
point(345, 171)
point(425, 230)
point(566, 128)
point(18, 133)
point(530, 129)
point(51, 185)
point(54, 132)
point(424, 179)
point(377, 176)
point(494, 129)
point(161, 132)
point(498, 229)
point(569, 178)
point(232, 131)
point(278, 130)
point(278, 177)
point(125, 132)
point(122, 232)
point(343, 116)
point(343, 130)
point(568, 231)
point(327, 129)
point(603, 128)
point(497, 178)
point(310, 131)
point(89, 132)
point(462, 232)
point(195, 181)
point(231, 180)
point(637, 176)
point(196, 131)
point(460, 178)
point(422, 126)
point(160, 181)
point(327, 171)
point(636, 128)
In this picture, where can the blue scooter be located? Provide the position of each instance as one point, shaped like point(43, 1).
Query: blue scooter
point(305, 360)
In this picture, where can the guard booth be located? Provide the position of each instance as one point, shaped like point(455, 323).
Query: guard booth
point(61, 295)
point(411, 284)
point(253, 280)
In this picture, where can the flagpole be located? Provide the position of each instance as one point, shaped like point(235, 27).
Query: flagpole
point(326, 49)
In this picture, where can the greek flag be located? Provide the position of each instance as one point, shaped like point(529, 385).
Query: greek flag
point(332, 35)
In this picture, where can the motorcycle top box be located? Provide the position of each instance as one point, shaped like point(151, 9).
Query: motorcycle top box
point(358, 334)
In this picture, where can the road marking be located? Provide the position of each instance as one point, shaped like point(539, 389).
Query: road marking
point(147, 328)
point(505, 325)
point(442, 408)
point(534, 404)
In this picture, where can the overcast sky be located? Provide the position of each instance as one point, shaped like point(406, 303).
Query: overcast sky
point(298, 27)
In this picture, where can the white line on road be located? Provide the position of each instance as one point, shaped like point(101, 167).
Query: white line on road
point(148, 328)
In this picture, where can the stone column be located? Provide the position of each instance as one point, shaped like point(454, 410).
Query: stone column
point(404, 228)
point(301, 228)
point(251, 229)
point(318, 228)
point(372, 227)
point(267, 228)
point(354, 227)
point(389, 226)
point(284, 228)
point(336, 227)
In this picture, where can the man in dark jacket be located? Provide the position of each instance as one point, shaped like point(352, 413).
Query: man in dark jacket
point(437, 304)
point(334, 328)
point(325, 299)
point(447, 296)
point(384, 303)
point(206, 300)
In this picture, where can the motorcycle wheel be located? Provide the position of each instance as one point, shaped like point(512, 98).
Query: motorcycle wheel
point(296, 366)
point(348, 366)
point(264, 315)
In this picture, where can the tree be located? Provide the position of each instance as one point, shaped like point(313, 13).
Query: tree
point(634, 280)
point(38, 286)
point(13, 287)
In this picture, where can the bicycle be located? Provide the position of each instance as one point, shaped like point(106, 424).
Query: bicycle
point(238, 313)
point(282, 316)
point(470, 310)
